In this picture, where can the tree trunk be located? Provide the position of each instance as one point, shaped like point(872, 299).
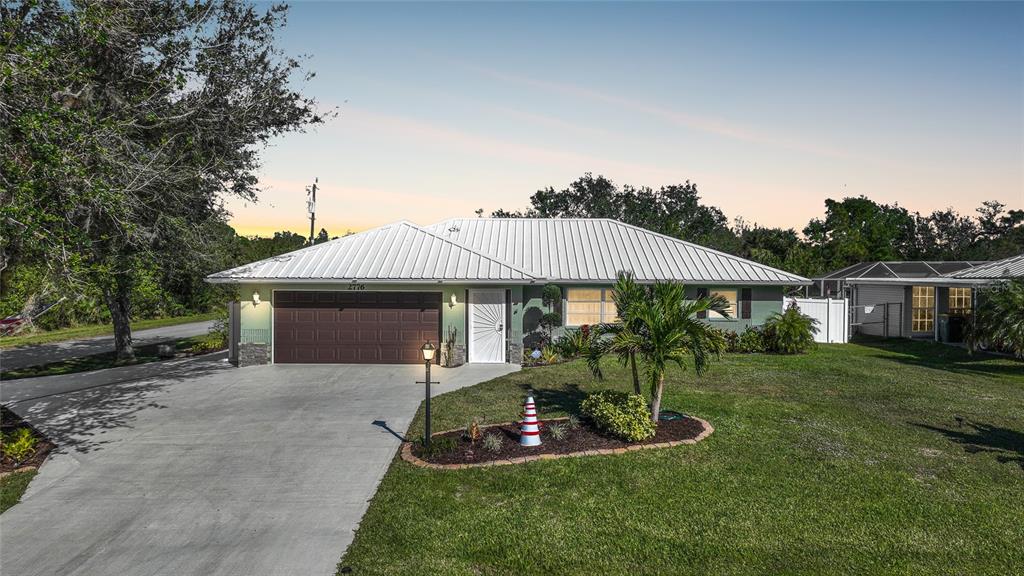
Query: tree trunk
point(636, 378)
point(119, 303)
point(656, 389)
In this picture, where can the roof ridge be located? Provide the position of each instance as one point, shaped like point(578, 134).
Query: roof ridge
point(531, 273)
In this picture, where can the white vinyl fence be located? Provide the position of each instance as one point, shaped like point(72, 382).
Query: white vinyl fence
point(833, 316)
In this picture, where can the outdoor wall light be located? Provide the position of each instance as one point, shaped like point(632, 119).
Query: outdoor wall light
point(454, 300)
point(255, 297)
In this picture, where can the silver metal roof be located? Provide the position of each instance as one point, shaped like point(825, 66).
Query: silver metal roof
point(595, 249)
point(1012, 267)
point(396, 252)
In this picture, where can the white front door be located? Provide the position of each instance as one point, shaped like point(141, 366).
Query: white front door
point(487, 326)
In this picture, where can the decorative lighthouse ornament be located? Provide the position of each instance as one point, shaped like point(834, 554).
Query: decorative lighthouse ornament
point(529, 428)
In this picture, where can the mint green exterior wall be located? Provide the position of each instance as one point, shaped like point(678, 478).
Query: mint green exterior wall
point(526, 308)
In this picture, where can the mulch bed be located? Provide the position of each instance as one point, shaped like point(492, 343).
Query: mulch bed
point(9, 421)
point(581, 439)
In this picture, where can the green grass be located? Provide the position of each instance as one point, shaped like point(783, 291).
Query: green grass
point(143, 355)
point(12, 487)
point(890, 457)
point(95, 330)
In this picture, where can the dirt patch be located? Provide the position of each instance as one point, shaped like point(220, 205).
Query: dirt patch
point(582, 439)
point(9, 421)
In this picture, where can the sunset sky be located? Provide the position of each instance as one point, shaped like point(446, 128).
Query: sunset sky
point(769, 108)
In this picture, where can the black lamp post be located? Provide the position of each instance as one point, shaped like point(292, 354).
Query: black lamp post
point(428, 359)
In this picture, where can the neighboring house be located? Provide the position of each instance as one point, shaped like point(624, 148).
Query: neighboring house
point(1008, 269)
point(377, 296)
point(905, 299)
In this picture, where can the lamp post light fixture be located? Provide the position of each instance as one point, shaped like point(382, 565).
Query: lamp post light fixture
point(428, 359)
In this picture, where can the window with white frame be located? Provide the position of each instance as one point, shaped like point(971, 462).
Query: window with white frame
point(731, 296)
point(960, 301)
point(589, 306)
point(922, 309)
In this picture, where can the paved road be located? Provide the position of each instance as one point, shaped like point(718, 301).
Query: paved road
point(208, 469)
point(33, 355)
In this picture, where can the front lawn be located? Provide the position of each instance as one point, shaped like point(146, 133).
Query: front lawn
point(191, 346)
point(882, 457)
point(90, 330)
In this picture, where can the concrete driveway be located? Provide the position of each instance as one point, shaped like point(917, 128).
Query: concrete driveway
point(209, 469)
point(36, 354)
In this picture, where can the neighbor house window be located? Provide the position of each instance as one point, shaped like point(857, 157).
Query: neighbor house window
point(960, 301)
point(923, 309)
point(730, 296)
point(589, 306)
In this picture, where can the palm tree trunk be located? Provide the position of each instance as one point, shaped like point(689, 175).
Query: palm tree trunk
point(636, 378)
point(656, 389)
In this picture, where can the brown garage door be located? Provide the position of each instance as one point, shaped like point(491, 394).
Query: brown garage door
point(354, 327)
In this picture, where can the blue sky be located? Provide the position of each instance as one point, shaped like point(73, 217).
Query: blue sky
point(769, 108)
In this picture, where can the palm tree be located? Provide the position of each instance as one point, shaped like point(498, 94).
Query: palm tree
point(999, 318)
point(660, 326)
point(622, 338)
point(672, 333)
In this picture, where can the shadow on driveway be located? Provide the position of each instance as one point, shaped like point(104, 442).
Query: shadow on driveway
point(74, 410)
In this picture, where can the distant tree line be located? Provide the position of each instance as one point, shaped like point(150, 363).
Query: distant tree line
point(853, 230)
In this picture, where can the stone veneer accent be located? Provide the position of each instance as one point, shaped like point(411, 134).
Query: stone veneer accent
point(250, 354)
point(458, 355)
point(409, 457)
point(515, 353)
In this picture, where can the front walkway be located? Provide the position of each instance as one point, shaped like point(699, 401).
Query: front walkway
point(209, 469)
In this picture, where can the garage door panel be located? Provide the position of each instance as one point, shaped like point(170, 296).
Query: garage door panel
point(358, 327)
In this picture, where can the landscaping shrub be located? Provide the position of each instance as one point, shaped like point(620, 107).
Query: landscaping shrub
point(19, 445)
point(790, 332)
point(732, 340)
point(473, 430)
point(557, 431)
point(548, 355)
point(574, 343)
point(573, 421)
point(211, 343)
point(750, 341)
point(493, 442)
point(620, 414)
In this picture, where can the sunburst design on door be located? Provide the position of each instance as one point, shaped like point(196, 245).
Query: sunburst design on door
point(487, 326)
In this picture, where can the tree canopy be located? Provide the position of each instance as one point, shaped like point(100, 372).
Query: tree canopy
point(124, 125)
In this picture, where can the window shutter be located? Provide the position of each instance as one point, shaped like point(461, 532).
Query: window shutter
point(745, 298)
point(702, 293)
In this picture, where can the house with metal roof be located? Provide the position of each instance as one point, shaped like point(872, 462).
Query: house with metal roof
point(910, 299)
point(472, 285)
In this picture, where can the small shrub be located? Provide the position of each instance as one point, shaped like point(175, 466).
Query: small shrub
point(493, 442)
point(438, 446)
point(549, 355)
point(19, 445)
point(473, 430)
point(790, 332)
point(558, 431)
point(751, 341)
point(549, 322)
point(732, 341)
point(210, 343)
point(620, 414)
point(574, 343)
point(573, 421)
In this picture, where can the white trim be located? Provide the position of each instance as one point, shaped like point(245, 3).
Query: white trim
point(504, 330)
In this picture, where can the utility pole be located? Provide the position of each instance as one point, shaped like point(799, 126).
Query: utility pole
point(311, 208)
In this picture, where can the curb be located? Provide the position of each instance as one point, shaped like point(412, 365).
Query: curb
point(409, 457)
